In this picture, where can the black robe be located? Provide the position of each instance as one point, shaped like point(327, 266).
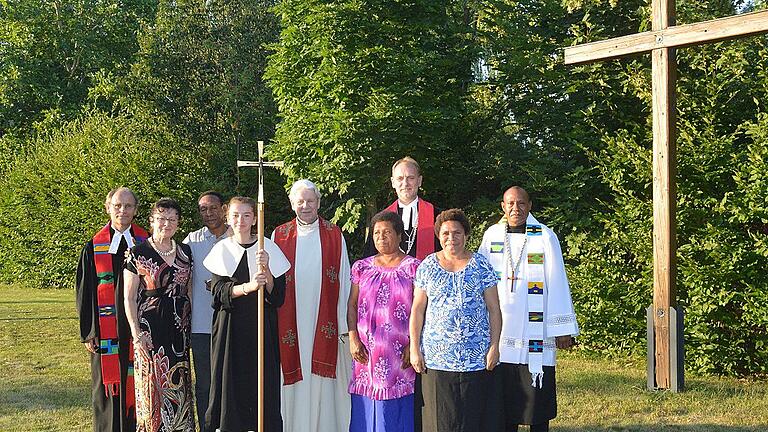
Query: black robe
point(370, 247)
point(109, 412)
point(233, 398)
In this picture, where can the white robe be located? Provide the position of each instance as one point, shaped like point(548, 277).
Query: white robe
point(317, 404)
point(559, 317)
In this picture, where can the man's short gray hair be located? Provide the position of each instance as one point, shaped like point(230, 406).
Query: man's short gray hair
point(112, 193)
point(300, 185)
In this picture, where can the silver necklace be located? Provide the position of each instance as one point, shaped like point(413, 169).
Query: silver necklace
point(512, 265)
point(410, 240)
point(163, 253)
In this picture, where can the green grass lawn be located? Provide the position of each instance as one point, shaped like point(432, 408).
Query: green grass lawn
point(44, 381)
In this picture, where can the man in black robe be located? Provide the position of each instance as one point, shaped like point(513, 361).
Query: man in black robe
point(418, 214)
point(111, 410)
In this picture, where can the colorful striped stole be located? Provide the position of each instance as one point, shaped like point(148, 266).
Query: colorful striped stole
point(109, 348)
point(535, 277)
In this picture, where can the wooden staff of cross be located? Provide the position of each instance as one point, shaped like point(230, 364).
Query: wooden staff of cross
point(260, 224)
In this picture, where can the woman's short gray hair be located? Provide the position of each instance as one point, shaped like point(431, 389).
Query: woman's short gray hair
point(300, 185)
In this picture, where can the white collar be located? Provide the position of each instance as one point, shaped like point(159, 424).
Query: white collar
point(115, 245)
point(412, 204)
point(409, 209)
point(226, 255)
point(304, 228)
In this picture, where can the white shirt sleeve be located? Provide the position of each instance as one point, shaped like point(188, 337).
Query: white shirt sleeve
point(561, 318)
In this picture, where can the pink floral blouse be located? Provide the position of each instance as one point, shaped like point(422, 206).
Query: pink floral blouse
point(383, 310)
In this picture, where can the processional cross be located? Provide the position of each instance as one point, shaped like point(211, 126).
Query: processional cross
point(661, 42)
point(260, 224)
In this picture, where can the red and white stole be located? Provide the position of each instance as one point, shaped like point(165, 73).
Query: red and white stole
point(105, 295)
point(425, 228)
point(325, 347)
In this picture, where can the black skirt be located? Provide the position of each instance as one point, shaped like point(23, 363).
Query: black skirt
point(460, 401)
point(522, 402)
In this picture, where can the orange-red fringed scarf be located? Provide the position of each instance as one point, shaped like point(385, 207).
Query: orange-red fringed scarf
point(425, 228)
point(105, 295)
point(324, 350)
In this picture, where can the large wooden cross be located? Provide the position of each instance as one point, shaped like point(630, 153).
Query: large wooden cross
point(661, 41)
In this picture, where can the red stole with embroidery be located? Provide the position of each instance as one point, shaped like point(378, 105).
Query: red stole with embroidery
point(105, 296)
point(325, 347)
point(425, 228)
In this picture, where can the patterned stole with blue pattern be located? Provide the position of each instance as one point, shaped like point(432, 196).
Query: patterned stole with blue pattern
point(535, 277)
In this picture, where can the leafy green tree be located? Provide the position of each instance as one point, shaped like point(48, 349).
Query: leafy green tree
point(50, 52)
point(360, 84)
point(200, 65)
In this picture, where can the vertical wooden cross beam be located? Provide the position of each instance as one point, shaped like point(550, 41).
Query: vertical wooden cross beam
point(260, 228)
point(663, 71)
point(661, 41)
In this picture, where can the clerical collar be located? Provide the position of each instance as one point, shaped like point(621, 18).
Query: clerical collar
point(115, 244)
point(301, 223)
point(517, 229)
point(410, 213)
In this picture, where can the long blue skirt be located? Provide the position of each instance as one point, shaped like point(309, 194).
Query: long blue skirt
point(393, 415)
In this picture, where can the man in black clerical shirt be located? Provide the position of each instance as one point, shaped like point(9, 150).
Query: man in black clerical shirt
point(418, 214)
point(104, 329)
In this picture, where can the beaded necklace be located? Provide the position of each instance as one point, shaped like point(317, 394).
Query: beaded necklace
point(163, 253)
point(512, 265)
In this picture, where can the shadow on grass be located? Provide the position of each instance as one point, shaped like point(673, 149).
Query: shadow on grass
point(597, 381)
point(39, 395)
point(659, 428)
point(72, 301)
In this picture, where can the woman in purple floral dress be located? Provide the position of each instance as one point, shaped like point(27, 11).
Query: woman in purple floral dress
point(157, 276)
point(377, 314)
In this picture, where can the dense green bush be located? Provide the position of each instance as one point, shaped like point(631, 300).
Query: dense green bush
point(52, 200)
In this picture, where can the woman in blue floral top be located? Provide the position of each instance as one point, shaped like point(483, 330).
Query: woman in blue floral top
point(455, 326)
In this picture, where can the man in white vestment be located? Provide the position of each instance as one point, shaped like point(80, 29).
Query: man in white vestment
point(536, 308)
point(314, 359)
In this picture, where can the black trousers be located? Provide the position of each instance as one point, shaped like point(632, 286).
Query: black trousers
point(460, 401)
point(522, 402)
point(201, 357)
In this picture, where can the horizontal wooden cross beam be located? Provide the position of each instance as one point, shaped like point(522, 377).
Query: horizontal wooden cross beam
point(677, 36)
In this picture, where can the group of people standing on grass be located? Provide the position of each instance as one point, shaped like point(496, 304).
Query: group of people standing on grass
point(420, 334)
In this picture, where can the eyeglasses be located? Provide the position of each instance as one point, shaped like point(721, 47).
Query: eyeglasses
point(161, 220)
point(118, 206)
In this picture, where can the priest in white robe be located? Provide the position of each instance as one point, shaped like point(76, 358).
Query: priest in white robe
point(312, 322)
point(536, 308)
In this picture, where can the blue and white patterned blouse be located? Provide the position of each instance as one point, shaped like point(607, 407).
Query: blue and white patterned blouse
point(456, 333)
